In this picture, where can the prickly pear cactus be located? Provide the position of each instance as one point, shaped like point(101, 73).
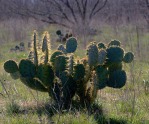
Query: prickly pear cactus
point(63, 76)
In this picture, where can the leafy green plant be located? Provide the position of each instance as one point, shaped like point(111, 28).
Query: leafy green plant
point(63, 77)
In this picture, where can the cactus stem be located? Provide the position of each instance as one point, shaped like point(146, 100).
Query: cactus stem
point(35, 50)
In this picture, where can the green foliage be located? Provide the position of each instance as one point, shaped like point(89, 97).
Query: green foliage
point(64, 76)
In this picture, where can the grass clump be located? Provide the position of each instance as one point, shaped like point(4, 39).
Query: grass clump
point(12, 108)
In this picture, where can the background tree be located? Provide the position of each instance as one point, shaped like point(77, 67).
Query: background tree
point(74, 14)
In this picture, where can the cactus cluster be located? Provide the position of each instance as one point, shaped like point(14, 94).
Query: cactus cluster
point(20, 47)
point(63, 37)
point(64, 77)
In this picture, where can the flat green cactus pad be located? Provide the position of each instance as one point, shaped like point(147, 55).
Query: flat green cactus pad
point(102, 56)
point(34, 84)
point(102, 76)
point(45, 74)
point(114, 54)
point(79, 71)
point(54, 55)
point(101, 46)
point(115, 66)
point(92, 53)
point(44, 44)
point(27, 69)
point(60, 64)
point(117, 79)
point(71, 45)
point(114, 43)
point(58, 32)
point(128, 58)
point(10, 66)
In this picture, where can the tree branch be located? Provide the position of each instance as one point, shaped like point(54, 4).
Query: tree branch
point(94, 11)
point(147, 3)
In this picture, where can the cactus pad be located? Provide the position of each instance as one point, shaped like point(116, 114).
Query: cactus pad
point(114, 43)
point(102, 55)
point(70, 64)
point(10, 66)
point(115, 54)
point(117, 79)
point(58, 32)
point(61, 48)
point(128, 58)
point(92, 53)
point(44, 44)
point(34, 84)
point(54, 55)
point(45, 74)
point(27, 69)
point(79, 71)
point(60, 64)
point(71, 45)
point(102, 76)
point(115, 66)
point(101, 46)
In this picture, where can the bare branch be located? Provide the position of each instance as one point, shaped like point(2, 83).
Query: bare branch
point(67, 4)
point(62, 12)
point(147, 3)
point(94, 11)
point(79, 7)
point(85, 8)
